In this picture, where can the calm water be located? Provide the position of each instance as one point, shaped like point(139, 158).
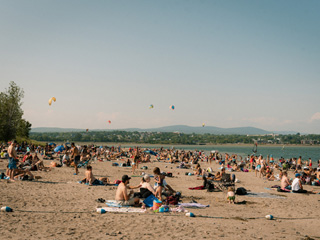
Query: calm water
point(287, 152)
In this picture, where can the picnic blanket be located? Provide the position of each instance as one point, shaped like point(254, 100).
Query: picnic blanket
point(263, 195)
point(123, 210)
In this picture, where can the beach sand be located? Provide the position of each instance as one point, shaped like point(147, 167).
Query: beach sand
point(57, 207)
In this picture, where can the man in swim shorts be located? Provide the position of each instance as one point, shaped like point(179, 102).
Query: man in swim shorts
point(122, 196)
point(12, 159)
point(75, 156)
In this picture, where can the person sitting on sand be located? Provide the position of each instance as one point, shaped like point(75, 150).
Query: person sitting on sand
point(21, 173)
point(198, 170)
point(91, 180)
point(27, 157)
point(285, 183)
point(231, 196)
point(146, 189)
point(38, 162)
point(217, 177)
point(122, 197)
point(318, 174)
point(269, 174)
point(66, 159)
point(297, 185)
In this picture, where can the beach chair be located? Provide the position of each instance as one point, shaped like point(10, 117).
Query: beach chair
point(225, 182)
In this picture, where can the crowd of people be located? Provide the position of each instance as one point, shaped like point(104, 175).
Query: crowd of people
point(24, 158)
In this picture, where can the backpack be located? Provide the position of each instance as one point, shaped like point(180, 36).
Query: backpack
point(241, 191)
point(172, 200)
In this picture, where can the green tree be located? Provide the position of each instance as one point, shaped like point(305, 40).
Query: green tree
point(24, 128)
point(10, 112)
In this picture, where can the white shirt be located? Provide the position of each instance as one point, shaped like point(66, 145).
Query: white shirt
point(295, 184)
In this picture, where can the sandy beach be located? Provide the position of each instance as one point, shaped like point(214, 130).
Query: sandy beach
point(56, 206)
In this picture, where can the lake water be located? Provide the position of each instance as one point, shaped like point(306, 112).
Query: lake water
point(277, 152)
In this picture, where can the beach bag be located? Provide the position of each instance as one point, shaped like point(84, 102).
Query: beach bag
point(241, 191)
point(149, 200)
point(169, 174)
point(172, 200)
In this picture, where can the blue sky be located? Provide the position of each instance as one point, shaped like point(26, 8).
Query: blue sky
point(222, 63)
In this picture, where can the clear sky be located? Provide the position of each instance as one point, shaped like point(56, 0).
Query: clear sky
point(223, 63)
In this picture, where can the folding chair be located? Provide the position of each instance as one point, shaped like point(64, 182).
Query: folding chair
point(225, 182)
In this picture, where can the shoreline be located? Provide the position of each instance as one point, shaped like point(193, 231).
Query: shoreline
point(182, 145)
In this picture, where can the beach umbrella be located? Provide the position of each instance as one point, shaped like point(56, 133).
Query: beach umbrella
point(67, 144)
point(151, 152)
point(60, 148)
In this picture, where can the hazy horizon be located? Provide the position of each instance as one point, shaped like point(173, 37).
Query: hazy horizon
point(223, 63)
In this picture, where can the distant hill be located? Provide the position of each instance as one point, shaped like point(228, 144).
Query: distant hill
point(53, 129)
point(175, 128)
point(206, 129)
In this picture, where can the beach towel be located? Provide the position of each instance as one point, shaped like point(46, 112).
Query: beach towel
point(192, 205)
point(197, 188)
point(263, 195)
point(114, 203)
point(123, 210)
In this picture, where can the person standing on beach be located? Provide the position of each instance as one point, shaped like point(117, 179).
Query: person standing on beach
point(158, 178)
point(75, 156)
point(299, 163)
point(135, 162)
point(310, 162)
point(12, 159)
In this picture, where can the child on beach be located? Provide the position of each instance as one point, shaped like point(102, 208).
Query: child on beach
point(231, 197)
point(158, 178)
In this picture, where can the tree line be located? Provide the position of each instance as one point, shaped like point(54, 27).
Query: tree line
point(12, 125)
point(171, 138)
